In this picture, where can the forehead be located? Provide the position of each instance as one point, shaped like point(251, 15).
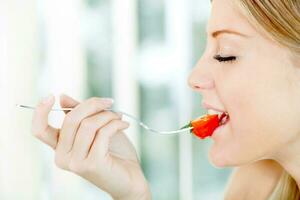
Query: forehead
point(226, 15)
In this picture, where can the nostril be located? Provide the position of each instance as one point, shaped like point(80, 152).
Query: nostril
point(204, 84)
point(197, 87)
point(197, 81)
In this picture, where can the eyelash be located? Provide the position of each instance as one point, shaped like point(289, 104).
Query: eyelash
point(225, 59)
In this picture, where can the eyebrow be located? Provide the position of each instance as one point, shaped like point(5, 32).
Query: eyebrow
point(215, 34)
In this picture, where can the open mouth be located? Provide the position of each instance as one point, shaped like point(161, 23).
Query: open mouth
point(223, 118)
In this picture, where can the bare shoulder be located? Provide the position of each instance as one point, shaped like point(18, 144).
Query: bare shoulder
point(253, 181)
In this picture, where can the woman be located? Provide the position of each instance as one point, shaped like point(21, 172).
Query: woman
point(250, 69)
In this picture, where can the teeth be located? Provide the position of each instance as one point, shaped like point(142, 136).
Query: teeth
point(214, 112)
point(224, 120)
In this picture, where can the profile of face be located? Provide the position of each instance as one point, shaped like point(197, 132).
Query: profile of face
point(254, 79)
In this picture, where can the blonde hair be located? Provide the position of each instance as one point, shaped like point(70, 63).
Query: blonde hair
point(286, 189)
point(280, 21)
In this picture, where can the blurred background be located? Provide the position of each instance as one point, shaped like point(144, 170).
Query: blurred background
point(139, 52)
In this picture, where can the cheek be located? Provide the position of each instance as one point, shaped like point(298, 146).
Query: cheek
point(263, 108)
point(246, 141)
point(257, 128)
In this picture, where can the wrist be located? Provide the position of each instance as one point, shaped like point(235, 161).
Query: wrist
point(146, 196)
point(143, 194)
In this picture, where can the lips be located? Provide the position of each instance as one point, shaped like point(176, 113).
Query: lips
point(223, 115)
point(209, 107)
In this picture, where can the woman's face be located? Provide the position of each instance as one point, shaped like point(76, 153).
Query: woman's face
point(258, 85)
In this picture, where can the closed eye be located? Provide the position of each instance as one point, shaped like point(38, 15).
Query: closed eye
point(225, 59)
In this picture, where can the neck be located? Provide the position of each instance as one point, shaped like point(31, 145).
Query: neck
point(289, 159)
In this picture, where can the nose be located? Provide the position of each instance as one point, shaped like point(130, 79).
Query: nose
point(200, 78)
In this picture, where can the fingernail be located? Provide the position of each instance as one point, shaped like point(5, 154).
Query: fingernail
point(108, 101)
point(120, 115)
point(47, 99)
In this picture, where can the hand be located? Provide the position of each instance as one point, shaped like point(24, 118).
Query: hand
point(92, 145)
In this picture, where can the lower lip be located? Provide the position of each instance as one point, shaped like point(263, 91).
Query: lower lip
point(220, 128)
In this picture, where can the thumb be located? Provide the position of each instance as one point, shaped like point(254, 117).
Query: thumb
point(67, 102)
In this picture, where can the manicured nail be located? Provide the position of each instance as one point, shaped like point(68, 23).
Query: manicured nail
point(108, 101)
point(120, 115)
point(47, 99)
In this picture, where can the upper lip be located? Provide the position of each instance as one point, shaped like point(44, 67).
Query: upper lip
point(207, 106)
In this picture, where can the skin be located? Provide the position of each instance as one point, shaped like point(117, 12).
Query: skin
point(253, 181)
point(91, 144)
point(259, 90)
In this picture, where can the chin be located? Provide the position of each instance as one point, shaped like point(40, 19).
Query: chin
point(221, 159)
point(218, 163)
point(217, 160)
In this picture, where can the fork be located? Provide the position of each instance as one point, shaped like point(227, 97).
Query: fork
point(118, 111)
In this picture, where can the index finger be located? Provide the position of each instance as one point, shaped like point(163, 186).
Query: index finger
point(68, 102)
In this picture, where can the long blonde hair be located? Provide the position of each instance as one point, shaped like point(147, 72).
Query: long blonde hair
point(286, 189)
point(280, 21)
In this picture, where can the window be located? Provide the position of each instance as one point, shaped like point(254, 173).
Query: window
point(138, 52)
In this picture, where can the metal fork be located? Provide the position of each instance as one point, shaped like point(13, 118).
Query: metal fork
point(118, 111)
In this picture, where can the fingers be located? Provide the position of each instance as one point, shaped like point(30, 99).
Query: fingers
point(67, 102)
point(73, 119)
point(101, 144)
point(40, 127)
point(87, 131)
